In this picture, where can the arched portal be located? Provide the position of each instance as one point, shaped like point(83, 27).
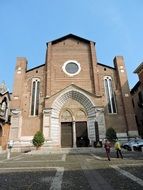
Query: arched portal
point(85, 101)
point(73, 119)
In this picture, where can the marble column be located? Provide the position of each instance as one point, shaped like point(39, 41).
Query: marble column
point(46, 123)
point(74, 135)
point(101, 122)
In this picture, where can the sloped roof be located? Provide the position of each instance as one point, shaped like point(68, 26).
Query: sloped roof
point(136, 86)
point(70, 36)
point(139, 68)
point(37, 67)
point(5, 94)
point(103, 65)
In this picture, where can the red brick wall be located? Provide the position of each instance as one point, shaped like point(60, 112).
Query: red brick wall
point(69, 49)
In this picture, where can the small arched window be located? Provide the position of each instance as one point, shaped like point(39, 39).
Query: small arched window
point(110, 96)
point(35, 97)
point(3, 107)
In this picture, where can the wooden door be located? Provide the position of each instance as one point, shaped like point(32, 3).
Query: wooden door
point(66, 134)
point(81, 134)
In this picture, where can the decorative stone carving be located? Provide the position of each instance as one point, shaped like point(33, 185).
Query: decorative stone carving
point(16, 112)
point(47, 111)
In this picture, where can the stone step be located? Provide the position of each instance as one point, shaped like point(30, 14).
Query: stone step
point(56, 150)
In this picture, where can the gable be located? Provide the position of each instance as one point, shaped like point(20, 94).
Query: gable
point(70, 36)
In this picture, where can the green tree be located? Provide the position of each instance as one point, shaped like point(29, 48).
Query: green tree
point(111, 134)
point(38, 139)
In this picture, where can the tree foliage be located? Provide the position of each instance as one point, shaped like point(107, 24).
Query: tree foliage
point(38, 139)
point(111, 134)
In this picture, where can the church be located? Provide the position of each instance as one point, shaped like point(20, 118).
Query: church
point(71, 96)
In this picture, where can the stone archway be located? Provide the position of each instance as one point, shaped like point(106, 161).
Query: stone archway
point(85, 101)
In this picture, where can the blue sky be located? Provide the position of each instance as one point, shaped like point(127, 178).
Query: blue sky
point(26, 25)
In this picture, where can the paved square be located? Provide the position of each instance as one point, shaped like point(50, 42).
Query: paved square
point(66, 171)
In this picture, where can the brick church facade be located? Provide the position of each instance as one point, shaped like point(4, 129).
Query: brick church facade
point(70, 96)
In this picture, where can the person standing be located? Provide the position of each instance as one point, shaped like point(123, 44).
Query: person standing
point(118, 149)
point(107, 147)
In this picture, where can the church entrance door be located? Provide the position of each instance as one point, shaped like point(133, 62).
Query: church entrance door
point(81, 134)
point(66, 134)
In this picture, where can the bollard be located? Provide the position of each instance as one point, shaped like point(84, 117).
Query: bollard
point(10, 145)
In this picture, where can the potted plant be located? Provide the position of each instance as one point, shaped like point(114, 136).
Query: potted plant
point(38, 139)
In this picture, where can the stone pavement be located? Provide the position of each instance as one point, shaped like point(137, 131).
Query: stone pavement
point(67, 169)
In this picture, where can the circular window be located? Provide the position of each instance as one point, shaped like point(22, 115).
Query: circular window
point(71, 67)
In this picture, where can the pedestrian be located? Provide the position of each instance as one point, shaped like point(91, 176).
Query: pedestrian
point(117, 147)
point(107, 147)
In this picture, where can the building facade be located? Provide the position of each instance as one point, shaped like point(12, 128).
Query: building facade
point(70, 96)
point(4, 116)
point(137, 99)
